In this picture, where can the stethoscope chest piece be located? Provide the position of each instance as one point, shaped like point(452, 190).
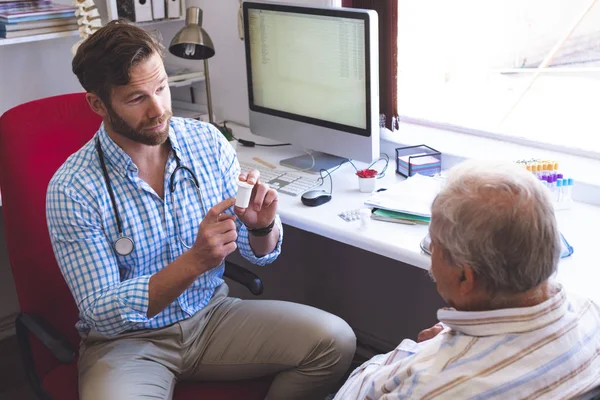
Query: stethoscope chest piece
point(124, 246)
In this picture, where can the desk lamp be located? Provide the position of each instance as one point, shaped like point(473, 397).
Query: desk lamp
point(194, 43)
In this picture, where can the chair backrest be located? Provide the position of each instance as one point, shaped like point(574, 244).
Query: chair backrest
point(35, 140)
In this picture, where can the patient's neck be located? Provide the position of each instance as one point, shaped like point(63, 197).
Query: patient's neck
point(530, 298)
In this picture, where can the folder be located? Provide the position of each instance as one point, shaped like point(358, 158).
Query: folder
point(412, 196)
point(402, 218)
point(135, 10)
point(173, 8)
point(158, 9)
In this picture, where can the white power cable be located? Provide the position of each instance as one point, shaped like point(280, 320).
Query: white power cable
point(240, 21)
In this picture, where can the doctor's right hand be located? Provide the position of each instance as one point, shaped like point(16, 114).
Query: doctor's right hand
point(216, 236)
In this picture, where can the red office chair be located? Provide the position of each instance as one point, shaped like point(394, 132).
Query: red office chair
point(35, 139)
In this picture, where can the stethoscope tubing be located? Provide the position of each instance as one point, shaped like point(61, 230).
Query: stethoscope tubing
point(125, 245)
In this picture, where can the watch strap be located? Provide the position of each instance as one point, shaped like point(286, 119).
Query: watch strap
point(262, 231)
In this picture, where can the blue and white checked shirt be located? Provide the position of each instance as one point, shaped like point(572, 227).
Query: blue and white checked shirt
point(111, 291)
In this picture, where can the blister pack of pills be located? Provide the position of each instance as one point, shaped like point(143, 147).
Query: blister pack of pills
point(350, 215)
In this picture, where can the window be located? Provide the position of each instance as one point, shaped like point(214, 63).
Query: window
point(472, 64)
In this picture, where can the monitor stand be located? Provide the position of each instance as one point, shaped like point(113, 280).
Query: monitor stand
point(321, 161)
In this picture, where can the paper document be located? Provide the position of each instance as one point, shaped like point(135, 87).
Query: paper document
point(412, 196)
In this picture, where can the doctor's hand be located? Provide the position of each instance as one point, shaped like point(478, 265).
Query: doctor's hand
point(263, 203)
point(216, 236)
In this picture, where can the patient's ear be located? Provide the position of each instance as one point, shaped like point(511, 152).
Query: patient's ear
point(468, 280)
point(96, 104)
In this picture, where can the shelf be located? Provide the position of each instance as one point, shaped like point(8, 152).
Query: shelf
point(200, 115)
point(186, 109)
point(56, 35)
point(160, 21)
point(185, 79)
point(38, 38)
point(112, 14)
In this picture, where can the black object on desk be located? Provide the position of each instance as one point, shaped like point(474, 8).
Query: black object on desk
point(314, 198)
point(419, 159)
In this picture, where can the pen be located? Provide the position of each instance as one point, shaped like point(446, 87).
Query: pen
point(263, 162)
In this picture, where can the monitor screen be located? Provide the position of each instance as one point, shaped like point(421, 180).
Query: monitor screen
point(313, 79)
point(309, 66)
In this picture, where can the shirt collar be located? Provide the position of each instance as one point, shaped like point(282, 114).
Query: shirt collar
point(506, 321)
point(113, 154)
point(173, 138)
point(119, 159)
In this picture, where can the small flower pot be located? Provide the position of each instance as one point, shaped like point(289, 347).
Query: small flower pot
point(367, 185)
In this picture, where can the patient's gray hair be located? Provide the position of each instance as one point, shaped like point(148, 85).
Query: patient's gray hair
point(498, 219)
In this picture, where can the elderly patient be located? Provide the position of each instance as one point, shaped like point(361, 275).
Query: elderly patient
point(511, 332)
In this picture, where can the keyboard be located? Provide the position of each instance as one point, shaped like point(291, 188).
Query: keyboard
point(283, 182)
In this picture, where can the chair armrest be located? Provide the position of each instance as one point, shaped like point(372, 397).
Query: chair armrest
point(243, 276)
point(58, 345)
point(62, 350)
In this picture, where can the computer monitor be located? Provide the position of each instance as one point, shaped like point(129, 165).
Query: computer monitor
point(313, 80)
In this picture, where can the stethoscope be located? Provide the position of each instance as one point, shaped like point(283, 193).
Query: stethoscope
point(125, 245)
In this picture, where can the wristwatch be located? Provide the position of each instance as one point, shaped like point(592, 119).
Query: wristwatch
point(262, 231)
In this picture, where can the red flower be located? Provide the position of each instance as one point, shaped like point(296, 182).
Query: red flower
point(366, 173)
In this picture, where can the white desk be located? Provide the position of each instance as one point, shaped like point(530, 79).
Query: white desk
point(579, 273)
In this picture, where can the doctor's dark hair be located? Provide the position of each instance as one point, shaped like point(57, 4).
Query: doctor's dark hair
point(104, 60)
point(498, 219)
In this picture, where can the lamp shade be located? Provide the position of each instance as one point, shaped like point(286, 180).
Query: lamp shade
point(192, 42)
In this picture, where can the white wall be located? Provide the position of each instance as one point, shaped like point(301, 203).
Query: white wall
point(228, 66)
point(34, 70)
point(30, 71)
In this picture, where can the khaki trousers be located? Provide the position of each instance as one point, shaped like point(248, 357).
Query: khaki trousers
point(230, 339)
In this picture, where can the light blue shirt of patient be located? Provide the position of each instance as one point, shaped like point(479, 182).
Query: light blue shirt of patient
point(111, 290)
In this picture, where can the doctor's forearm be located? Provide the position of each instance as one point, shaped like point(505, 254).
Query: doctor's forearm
point(167, 284)
point(263, 245)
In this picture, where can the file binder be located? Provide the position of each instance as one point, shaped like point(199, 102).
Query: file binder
point(158, 9)
point(173, 8)
point(135, 10)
